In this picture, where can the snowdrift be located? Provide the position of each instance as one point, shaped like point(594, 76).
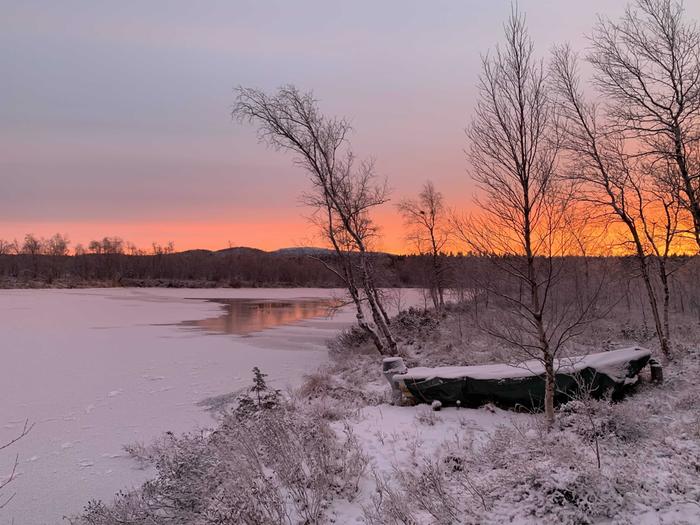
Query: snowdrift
point(521, 384)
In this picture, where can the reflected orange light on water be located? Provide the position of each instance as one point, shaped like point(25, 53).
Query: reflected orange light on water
point(245, 316)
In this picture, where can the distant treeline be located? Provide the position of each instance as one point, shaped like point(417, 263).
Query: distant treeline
point(233, 267)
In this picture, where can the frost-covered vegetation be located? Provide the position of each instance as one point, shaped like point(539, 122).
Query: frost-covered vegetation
point(628, 462)
point(267, 462)
point(336, 451)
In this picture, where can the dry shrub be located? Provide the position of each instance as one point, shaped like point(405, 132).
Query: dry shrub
point(416, 324)
point(339, 394)
point(426, 416)
point(590, 419)
point(269, 464)
point(352, 339)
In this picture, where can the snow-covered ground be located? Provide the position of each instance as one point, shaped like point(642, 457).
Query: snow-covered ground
point(97, 369)
point(394, 436)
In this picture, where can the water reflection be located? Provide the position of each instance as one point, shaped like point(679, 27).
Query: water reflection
point(246, 316)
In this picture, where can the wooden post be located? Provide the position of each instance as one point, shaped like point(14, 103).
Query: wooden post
point(657, 372)
point(391, 366)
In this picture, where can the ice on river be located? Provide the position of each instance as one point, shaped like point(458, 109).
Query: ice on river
point(97, 369)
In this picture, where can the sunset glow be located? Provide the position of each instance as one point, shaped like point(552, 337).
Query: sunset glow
point(116, 121)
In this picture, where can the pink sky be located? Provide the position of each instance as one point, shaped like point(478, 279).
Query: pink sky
point(115, 116)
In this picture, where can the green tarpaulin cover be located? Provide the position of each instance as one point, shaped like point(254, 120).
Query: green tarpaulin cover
point(523, 384)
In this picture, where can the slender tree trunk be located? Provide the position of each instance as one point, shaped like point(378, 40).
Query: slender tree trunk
point(437, 284)
point(653, 303)
point(381, 325)
point(379, 315)
point(687, 182)
point(549, 390)
point(362, 322)
point(644, 268)
point(667, 298)
point(537, 309)
point(349, 277)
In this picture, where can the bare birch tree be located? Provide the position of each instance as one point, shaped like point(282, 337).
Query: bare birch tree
point(344, 191)
point(521, 226)
point(611, 177)
point(647, 65)
point(427, 221)
point(660, 215)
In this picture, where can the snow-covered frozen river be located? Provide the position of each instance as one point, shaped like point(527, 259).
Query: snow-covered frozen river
point(99, 368)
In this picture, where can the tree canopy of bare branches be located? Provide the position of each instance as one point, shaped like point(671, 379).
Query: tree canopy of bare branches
point(426, 219)
point(625, 153)
point(647, 65)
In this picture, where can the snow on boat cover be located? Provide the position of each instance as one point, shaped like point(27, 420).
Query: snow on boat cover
point(523, 383)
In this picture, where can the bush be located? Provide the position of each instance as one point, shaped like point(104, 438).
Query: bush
point(599, 418)
point(353, 338)
point(425, 415)
point(267, 463)
point(416, 323)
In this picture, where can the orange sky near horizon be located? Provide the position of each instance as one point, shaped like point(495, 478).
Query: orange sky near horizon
point(190, 235)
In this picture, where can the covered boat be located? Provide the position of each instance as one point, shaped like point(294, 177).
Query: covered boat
point(519, 384)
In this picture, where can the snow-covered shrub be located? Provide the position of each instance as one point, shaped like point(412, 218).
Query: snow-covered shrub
point(416, 323)
point(267, 463)
point(637, 332)
point(329, 408)
point(337, 395)
point(435, 491)
point(353, 338)
point(425, 415)
point(429, 492)
point(599, 418)
point(516, 473)
point(569, 495)
point(686, 401)
point(552, 477)
point(390, 505)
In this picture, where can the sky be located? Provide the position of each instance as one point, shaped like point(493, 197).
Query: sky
point(115, 116)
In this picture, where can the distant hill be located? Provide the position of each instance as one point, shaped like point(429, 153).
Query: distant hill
point(246, 250)
point(239, 250)
point(293, 251)
point(302, 251)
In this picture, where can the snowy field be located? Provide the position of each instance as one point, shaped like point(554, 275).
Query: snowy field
point(97, 369)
